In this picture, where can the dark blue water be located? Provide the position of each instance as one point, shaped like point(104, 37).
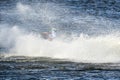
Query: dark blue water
point(26, 68)
point(67, 13)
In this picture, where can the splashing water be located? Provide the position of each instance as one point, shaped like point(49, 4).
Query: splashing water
point(81, 37)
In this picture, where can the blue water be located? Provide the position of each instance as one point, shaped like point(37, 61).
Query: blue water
point(66, 13)
point(26, 68)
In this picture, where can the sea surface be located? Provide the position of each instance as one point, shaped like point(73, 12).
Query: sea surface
point(39, 68)
point(87, 46)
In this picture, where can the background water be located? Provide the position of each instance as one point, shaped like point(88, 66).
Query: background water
point(87, 32)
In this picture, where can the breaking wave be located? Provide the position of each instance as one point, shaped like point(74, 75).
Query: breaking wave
point(81, 37)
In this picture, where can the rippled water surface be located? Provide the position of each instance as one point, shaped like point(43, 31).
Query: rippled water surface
point(27, 68)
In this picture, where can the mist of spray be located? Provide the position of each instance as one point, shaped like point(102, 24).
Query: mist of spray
point(85, 48)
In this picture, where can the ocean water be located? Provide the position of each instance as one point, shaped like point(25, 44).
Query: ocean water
point(87, 46)
point(40, 68)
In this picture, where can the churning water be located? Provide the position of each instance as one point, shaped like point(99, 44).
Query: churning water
point(86, 31)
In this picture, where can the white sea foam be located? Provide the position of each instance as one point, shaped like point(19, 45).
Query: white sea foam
point(85, 48)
